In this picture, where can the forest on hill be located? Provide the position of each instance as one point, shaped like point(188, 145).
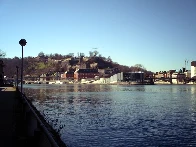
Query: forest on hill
point(43, 63)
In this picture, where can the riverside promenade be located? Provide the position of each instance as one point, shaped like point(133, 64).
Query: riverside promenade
point(8, 136)
point(21, 124)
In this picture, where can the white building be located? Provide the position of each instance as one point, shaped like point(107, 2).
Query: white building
point(193, 69)
point(178, 78)
point(188, 73)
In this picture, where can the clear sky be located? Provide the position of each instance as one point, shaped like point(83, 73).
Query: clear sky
point(159, 34)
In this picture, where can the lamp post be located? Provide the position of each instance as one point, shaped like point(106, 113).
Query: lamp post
point(22, 42)
point(17, 77)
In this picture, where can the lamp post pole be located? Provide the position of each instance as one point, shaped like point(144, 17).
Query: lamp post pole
point(22, 42)
point(22, 73)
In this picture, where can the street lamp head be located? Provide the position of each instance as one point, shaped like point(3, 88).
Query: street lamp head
point(22, 42)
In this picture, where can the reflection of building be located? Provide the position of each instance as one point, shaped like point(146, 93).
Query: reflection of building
point(193, 69)
point(1, 73)
point(193, 91)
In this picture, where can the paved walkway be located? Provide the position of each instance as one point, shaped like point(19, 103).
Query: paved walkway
point(7, 121)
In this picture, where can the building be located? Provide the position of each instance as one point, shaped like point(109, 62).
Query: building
point(133, 76)
point(162, 74)
point(43, 77)
point(193, 69)
point(137, 77)
point(68, 75)
point(188, 73)
point(178, 78)
point(85, 74)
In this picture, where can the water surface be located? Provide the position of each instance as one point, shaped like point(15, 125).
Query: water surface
point(115, 115)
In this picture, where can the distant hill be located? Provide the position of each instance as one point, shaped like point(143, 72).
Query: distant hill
point(42, 64)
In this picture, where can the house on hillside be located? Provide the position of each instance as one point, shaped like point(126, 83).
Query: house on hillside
point(82, 65)
point(85, 74)
point(93, 65)
point(68, 75)
point(43, 77)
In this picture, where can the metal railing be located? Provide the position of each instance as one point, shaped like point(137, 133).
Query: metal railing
point(39, 121)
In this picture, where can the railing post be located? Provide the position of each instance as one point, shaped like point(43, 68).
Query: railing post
point(31, 124)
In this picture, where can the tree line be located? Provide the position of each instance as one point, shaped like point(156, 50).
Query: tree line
point(41, 64)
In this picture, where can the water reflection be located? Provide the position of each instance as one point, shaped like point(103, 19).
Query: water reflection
point(193, 89)
point(114, 115)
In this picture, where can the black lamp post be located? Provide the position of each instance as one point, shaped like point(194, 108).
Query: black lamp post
point(22, 42)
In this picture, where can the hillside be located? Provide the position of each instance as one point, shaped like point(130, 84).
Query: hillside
point(41, 64)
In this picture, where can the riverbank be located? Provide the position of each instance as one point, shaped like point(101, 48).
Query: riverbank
point(113, 83)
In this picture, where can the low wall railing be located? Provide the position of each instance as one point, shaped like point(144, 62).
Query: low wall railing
point(35, 127)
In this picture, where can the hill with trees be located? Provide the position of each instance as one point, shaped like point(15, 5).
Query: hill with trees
point(44, 63)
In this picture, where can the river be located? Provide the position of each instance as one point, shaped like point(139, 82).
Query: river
point(117, 115)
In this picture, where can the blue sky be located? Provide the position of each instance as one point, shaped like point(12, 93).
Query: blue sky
point(159, 34)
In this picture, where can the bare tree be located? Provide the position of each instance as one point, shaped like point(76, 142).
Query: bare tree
point(41, 54)
point(95, 53)
point(2, 54)
point(71, 54)
point(109, 59)
point(138, 67)
point(90, 53)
